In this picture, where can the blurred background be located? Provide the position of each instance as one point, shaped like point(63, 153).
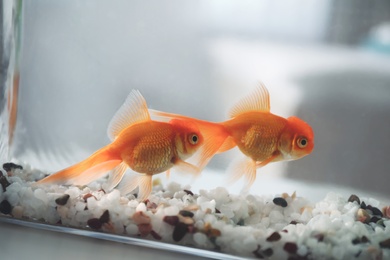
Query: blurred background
point(72, 63)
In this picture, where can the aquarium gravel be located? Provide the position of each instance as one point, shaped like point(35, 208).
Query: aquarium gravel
point(278, 226)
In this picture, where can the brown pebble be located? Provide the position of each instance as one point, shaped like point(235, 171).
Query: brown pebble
point(105, 217)
point(385, 243)
point(274, 237)
point(171, 220)
point(62, 200)
point(155, 235)
point(144, 229)
point(94, 223)
point(280, 202)
point(293, 222)
point(151, 205)
point(363, 216)
point(191, 229)
point(386, 211)
point(354, 198)
point(5, 207)
point(140, 217)
point(88, 195)
point(215, 232)
point(186, 213)
point(179, 231)
point(189, 192)
point(290, 247)
point(217, 211)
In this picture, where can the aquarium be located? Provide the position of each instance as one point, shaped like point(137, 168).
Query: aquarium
point(68, 66)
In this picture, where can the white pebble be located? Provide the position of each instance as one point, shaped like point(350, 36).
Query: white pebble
point(91, 203)
point(208, 205)
point(114, 195)
point(141, 207)
point(41, 195)
point(73, 192)
point(80, 206)
point(132, 229)
point(276, 216)
point(171, 211)
point(200, 239)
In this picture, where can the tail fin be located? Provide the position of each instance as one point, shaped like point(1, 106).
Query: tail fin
point(84, 172)
point(216, 137)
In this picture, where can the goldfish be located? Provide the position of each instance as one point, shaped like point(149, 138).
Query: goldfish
point(145, 146)
point(261, 136)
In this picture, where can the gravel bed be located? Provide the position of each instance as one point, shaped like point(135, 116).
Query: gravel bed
point(278, 226)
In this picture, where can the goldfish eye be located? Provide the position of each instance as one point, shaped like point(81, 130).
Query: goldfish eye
point(193, 139)
point(302, 142)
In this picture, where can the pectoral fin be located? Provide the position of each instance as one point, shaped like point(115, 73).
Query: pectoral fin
point(131, 181)
point(115, 176)
point(240, 167)
point(186, 167)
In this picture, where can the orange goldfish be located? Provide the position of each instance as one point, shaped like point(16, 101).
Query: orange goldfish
point(260, 135)
point(145, 146)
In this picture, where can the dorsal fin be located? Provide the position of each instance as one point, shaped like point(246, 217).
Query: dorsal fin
point(258, 100)
point(134, 110)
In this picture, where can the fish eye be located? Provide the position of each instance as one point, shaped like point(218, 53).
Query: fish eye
point(193, 139)
point(302, 142)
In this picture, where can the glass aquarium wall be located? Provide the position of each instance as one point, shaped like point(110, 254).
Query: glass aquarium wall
point(327, 62)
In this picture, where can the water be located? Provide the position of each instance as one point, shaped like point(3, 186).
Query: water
point(77, 60)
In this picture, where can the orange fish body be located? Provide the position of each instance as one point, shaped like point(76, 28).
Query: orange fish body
point(260, 135)
point(141, 144)
point(256, 133)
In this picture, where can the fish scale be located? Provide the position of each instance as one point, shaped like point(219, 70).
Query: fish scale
point(261, 141)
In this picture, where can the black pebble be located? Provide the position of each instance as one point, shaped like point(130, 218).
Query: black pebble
point(353, 198)
point(186, 213)
point(365, 239)
point(258, 253)
point(5, 207)
point(376, 211)
point(374, 219)
point(320, 237)
point(4, 182)
point(105, 217)
point(189, 192)
point(94, 223)
point(385, 243)
point(10, 166)
point(179, 232)
point(363, 205)
point(293, 222)
point(274, 237)
point(290, 247)
point(280, 202)
point(268, 252)
point(62, 200)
